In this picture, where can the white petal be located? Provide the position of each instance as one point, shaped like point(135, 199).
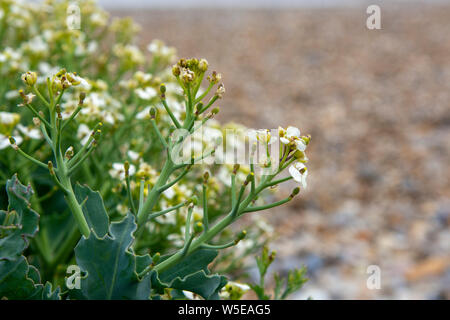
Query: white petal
point(301, 145)
point(304, 184)
point(133, 155)
point(292, 132)
point(284, 140)
point(295, 173)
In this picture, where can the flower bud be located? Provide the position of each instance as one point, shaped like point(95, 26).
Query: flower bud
point(187, 75)
point(198, 227)
point(220, 90)
point(249, 178)
point(193, 200)
point(126, 167)
point(198, 107)
point(82, 97)
point(205, 177)
point(152, 113)
point(12, 140)
point(182, 63)
point(295, 192)
point(29, 78)
point(235, 168)
point(69, 153)
point(241, 235)
point(214, 77)
point(58, 111)
point(203, 65)
point(299, 155)
point(176, 70)
point(272, 256)
point(307, 139)
point(36, 121)
point(156, 257)
point(162, 88)
point(215, 110)
point(50, 168)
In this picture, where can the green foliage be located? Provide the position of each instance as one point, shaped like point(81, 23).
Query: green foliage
point(19, 223)
point(93, 209)
point(18, 279)
point(111, 265)
point(192, 274)
point(283, 286)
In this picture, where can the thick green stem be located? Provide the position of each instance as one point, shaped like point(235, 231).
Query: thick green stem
point(154, 194)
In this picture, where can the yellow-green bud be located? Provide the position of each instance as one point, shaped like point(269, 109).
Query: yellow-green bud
point(162, 88)
point(241, 235)
point(203, 65)
point(69, 153)
point(295, 192)
point(126, 166)
point(156, 257)
point(215, 110)
point(220, 90)
point(36, 121)
point(249, 178)
point(198, 227)
point(29, 78)
point(199, 107)
point(193, 200)
point(235, 168)
point(307, 139)
point(50, 168)
point(214, 77)
point(152, 113)
point(176, 70)
point(205, 177)
point(81, 98)
point(299, 155)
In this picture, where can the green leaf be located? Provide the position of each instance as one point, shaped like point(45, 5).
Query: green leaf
point(19, 223)
point(196, 261)
point(110, 264)
point(18, 281)
point(192, 274)
point(93, 209)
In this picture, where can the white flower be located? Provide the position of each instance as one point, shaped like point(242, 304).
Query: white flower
point(118, 171)
point(4, 141)
point(147, 93)
point(144, 114)
point(292, 135)
point(133, 155)
point(31, 133)
point(8, 118)
point(299, 172)
point(169, 193)
point(83, 133)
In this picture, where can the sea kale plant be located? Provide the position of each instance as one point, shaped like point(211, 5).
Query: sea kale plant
point(133, 191)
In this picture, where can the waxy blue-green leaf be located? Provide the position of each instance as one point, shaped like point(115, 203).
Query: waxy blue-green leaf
point(192, 274)
point(19, 281)
point(110, 264)
point(93, 209)
point(19, 223)
point(194, 262)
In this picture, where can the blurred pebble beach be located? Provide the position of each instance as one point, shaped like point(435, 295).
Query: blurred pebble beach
point(377, 104)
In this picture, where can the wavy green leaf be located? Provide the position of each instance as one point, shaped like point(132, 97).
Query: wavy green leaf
point(110, 264)
point(19, 223)
point(18, 281)
point(192, 274)
point(93, 209)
